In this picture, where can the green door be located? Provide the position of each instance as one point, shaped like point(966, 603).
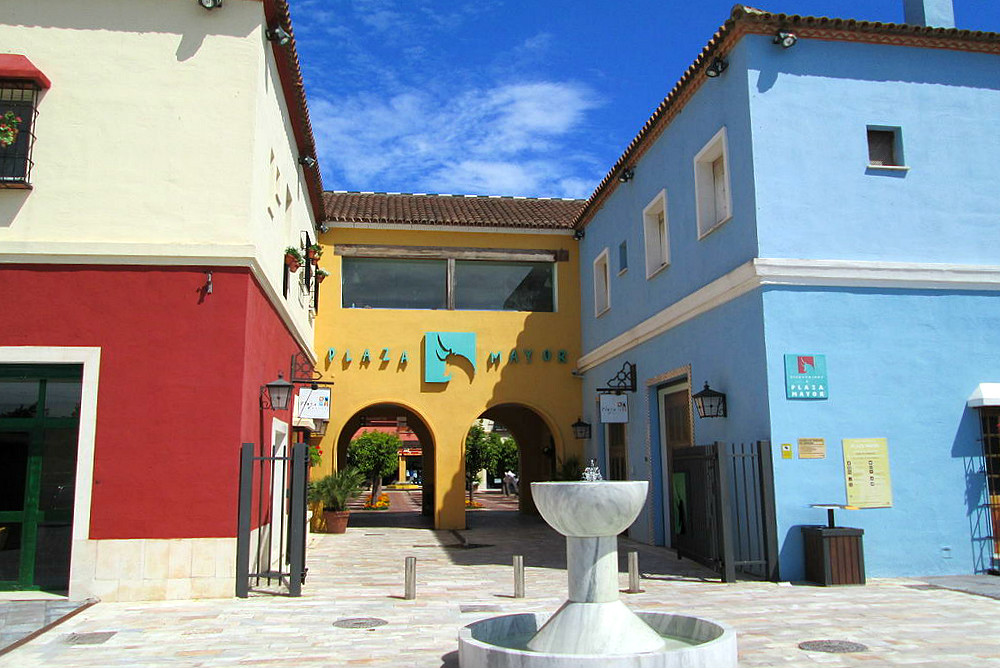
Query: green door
point(39, 428)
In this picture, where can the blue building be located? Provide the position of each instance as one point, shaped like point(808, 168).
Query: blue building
point(807, 224)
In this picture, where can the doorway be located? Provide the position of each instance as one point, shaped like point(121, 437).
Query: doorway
point(674, 407)
point(39, 433)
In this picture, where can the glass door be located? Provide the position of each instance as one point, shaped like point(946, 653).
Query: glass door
point(39, 426)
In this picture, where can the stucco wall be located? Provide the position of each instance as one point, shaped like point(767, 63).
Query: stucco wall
point(901, 365)
point(546, 387)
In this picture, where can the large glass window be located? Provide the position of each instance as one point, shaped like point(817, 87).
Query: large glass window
point(392, 283)
point(503, 286)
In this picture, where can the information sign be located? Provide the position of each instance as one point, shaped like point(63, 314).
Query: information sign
point(614, 408)
point(866, 472)
point(805, 377)
point(812, 448)
point(314, 404)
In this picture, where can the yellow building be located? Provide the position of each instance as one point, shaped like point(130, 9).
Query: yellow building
point(439, 310)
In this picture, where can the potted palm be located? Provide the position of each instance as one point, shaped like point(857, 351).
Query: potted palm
point(334, 491)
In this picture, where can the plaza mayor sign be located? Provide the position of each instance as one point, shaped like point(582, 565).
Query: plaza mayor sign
point(440, 347)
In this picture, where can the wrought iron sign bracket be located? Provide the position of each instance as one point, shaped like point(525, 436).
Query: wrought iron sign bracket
point(303, 372)
point(623, 381)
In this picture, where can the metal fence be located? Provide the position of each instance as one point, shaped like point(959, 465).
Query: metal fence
point(271, 533)
point(727, 508)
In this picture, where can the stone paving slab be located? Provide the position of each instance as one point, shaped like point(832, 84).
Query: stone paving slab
point(360, 574)
point(19, 620)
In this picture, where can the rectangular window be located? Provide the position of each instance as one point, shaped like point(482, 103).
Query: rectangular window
point(711, 182)
point(504, 286)
point(655, 232)
point(622, 257)
point(448, 283)
point(17, 121)
point(885, 147)
point(602, 284)
point(391, 283)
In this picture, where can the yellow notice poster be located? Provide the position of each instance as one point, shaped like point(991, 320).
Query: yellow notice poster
point(866, 471)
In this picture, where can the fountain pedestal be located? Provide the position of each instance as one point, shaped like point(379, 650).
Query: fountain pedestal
point(593, 628)
point(593, 619)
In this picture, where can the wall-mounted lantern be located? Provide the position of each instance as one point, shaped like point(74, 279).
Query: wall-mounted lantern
point(276, 394)
point(319, 427)
point(710, 404)
point(581, 429)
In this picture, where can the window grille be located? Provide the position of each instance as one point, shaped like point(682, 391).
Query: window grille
point(18, 111)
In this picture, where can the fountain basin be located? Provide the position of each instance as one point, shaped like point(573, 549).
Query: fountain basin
point(587, 509)
point(689, 642)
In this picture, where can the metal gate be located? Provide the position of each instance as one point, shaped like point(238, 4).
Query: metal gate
point(722, 508)
point(271, 537)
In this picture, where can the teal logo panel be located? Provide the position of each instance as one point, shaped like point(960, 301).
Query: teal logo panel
point(439, 346)
point(805, 377)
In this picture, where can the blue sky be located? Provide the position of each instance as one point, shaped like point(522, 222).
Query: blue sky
point(509, 97)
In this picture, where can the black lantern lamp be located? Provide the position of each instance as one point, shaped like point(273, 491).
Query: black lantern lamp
point(581, 429)
point(710, 404)
point(278, 392)
point(319, 427)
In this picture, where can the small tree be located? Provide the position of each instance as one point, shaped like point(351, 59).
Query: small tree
point(480, 453)
point(506, 455)
point(375, 454)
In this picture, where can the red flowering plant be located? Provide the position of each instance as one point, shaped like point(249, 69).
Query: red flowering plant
point(315, 454)
point(9, 127)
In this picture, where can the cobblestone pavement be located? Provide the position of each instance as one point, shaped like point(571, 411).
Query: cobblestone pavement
point(360, 574)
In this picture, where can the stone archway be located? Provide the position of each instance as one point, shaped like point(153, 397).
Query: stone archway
point(380, 413)
point(537, 447)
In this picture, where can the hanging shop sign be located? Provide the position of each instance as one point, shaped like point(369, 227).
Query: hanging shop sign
point(866, 472)
point(314, 404)
point(614, 408)
point(805, 377)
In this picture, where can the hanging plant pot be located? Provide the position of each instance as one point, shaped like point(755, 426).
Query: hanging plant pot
point(314, 252)
point(293, 259)
point(321, 275)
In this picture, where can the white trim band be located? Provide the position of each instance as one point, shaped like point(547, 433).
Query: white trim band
point(819, 273)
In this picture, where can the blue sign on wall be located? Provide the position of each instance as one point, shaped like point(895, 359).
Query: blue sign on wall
point(438, 346)
point(805, 377)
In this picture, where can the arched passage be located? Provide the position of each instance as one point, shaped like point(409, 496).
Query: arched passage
point(394, 414)
point(537, 447)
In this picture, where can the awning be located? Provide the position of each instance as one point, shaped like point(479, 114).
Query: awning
point(304, 423)
point(16, 66)
point(986, 394)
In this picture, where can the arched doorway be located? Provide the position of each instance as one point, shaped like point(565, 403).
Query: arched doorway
point(539, 454)
point(417, 455)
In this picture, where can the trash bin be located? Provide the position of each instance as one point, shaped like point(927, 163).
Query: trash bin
point(834, 555)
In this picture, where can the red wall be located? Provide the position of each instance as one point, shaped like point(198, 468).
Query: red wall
point(179, 383)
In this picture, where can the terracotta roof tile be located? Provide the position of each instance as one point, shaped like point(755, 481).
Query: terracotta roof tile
point(455, 210)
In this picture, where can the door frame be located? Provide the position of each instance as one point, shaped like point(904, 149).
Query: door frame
point(90, 358)
point(680, 382)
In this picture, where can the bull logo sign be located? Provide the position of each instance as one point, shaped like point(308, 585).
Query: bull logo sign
point(805, 377)
point(439, 346)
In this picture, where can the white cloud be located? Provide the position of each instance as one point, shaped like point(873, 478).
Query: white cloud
point(506, 139)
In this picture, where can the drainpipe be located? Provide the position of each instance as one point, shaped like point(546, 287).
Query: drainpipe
point(931, 13)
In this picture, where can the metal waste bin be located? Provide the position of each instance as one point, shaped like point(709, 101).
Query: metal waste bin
point(834, 555)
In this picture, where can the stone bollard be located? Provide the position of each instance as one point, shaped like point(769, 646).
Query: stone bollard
point(410, 591)
point(633, 573)
point(518, 576)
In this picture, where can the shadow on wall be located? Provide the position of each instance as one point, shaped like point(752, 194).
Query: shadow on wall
point(968, 447)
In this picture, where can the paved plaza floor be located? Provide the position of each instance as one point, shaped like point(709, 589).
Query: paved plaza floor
point(902, 622)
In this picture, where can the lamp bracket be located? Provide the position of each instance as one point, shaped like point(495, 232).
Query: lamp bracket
point(623, 381)
point(303, 371)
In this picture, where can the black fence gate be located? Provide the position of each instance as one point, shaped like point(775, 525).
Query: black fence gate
point(723, 508)
point(271, 538)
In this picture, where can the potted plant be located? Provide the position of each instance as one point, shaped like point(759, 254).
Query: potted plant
point(9, 128)
point(334, 491)
point(314, 252)
point(293, 258)
point(321, 274)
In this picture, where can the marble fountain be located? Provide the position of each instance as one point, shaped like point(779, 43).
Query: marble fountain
point(594, 627)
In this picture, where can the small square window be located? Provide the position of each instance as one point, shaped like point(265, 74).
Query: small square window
point(885, 148)
point(623, 257)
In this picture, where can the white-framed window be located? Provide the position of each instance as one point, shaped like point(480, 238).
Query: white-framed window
point(885, 147)
point(602, 284)
point(622, 257)
point(711, 184)
point(655, 232)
